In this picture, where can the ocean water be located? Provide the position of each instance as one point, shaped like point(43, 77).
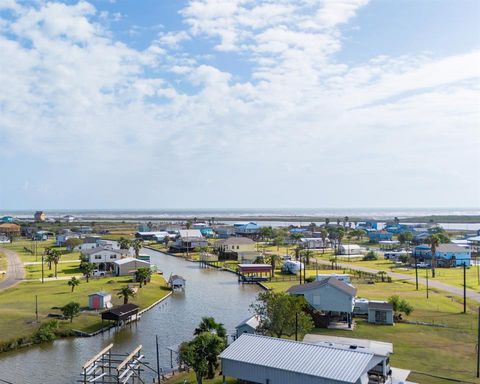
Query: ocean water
point(159, 214)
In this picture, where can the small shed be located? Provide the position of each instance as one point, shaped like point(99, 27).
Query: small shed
point(380, 312)
point(177, 282)
point(249, 325)
point(119, 313)
point(100, 300)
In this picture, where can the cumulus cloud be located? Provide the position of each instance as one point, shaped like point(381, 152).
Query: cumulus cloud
point(73, 94)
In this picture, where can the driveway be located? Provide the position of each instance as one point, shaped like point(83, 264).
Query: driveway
point(15, 270)
point(432, 283)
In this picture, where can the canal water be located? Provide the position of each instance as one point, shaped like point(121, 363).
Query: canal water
point(209, 292)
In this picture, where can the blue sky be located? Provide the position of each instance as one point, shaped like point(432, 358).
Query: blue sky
point(239, 103)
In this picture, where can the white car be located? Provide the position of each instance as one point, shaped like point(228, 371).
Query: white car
point(422, 265)
point(98, 273)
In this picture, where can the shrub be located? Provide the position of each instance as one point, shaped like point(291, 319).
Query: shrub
point(370, 256)
point(46, 331)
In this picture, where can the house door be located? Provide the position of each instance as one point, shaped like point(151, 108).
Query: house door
point(380, 317)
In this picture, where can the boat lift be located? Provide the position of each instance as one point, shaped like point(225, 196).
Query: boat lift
point(114, 368)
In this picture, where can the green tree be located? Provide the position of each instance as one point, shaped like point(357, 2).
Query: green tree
point(143, 274)
point(49, 258)
point(88, 269)
point(400, 306)
point(137, 245)
point(434, 242)
point(274, 259)
point(55, 254)
point(323, 236)
point(405, 237)
point(72, 243)
point(371, 255)
point(208, 324)
point(124, 243)
point(382, 275)
point(73, 282)
point(126, 293)
point(201, 354)
point(307, 254)
point(71, 310)
point(266, 233)
point(279, 313)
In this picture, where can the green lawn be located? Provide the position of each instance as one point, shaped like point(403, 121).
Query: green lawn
point(447, 351)
point(63, 270)
point(22, 247)
point(17, 304)
point(189, 377)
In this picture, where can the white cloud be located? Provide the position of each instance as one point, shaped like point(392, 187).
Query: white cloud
point(71, 94)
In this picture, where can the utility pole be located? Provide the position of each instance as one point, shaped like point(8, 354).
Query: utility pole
point(416, 273)
point(304, 269)
point(426, 276)
point(42, 269)
point(36, 308)
point(464, 287)
point(478, 344)
point(158, 359)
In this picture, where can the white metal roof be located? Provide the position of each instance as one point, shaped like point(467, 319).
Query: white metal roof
point(308, 359)
point(377, 347)
point(129, 260)
point(252, 321)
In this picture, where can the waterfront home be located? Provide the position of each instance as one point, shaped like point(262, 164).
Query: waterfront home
point(447, 255)
point(246, 229)
point(100, 300)
point(105, 257)
point(128, 266)
point(40, 216)
point(474, 243)
point(188, 240)
point(376, 236)
point(151, 236)
point(330, 296)
point(231, 247)
point(313, 243)
point(7, 219)
point(224, 232)
point(42, 235)
point(121, 313)
point(61, 238)
point(249, 325)
point(10, 229)
point(263, 359)
point(370, 224)
point(69, 218)
point(350, 249)
point(344, 278)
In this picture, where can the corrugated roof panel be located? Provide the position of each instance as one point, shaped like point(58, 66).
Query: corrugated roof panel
point(309, 359)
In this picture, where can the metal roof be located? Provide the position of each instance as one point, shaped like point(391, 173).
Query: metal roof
point(334, 282)
point(130, 260)
point(309, 359)
point(252, 321)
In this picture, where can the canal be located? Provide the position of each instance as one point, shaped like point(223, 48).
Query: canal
point(209, 292)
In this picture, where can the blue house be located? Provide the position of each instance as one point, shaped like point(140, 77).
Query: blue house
point(447, 255)
point(249, 228)
point(7, 219)
point(376, 236)
point(369, 224)
point(207, 232)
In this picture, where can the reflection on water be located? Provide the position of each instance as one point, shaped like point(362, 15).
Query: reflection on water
point(208, 293)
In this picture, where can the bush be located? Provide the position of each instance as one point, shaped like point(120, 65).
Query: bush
point(370, 256)
point(46, 331)
point(310, 279)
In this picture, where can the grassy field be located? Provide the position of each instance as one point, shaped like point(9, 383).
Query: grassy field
point(26, 249)
point(17, 304)
point(447, 349)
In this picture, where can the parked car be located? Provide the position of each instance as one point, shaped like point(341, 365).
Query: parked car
point(423, 265)
point(98, 273)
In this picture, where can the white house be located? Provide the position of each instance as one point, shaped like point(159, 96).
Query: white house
point(249, 325)
point(104, 257)
point(350, 249)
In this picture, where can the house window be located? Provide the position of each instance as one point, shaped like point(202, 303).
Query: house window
point(98, 257)
point(113, 256)
point(238, 247)
point(380, 316)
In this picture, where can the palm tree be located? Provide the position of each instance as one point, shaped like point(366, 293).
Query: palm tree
point(49, 258)
point(307, 254)
point(327, 221)
point(125, 293)
point(88, 269)
point(137, 245)
point(273, 262)
point(382, 275)
point(323, 235)
point(55, 253)
point(124, 243)
point(434, 242)
point(208, 324)
point(73, 282)
point(143, 274)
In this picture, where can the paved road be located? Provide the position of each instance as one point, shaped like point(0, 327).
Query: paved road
point(472, 295)
point(15, 270)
